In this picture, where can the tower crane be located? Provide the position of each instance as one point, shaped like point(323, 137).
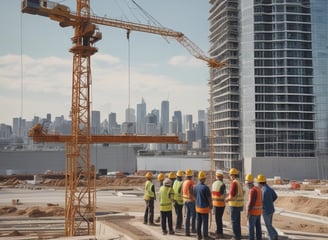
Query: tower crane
point(80, 175)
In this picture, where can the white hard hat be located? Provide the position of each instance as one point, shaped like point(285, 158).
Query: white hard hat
point(167, 182)
point(218, 172)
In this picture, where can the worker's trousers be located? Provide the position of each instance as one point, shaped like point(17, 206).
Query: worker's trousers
point(190, 215)
point(254, 224)
point(218, 211)
point(202, 223)
point(235, 221)
point(149, 211)
point(178, 210)
point(268, 223)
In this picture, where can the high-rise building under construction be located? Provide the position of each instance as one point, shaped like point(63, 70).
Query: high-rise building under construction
point(270, 101)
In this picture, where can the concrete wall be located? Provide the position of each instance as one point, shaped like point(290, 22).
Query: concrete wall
point(291, 168)
point(113, 158)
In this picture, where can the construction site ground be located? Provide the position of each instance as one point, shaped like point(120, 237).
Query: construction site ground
point(34, 210)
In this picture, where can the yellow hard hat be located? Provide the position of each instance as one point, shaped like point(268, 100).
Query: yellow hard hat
point(179, 173)
point(233, 171)
point(189, 173)
point(249, 178)
point(261, 178)
point(149, 175)
point(161, 177)
point(201, 175)
point(171, 175)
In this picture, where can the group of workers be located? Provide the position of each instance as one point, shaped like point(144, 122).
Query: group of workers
point(179, 190)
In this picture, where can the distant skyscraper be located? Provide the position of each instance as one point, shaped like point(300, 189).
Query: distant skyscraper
point(95, 122)
point(19, 127)
point(165, 116)
point(152, 126)
point(188, 122)
point(270, 100)
point(49, 117)
point(201, 115)
point(173, 127)
point(112, 123)
point(156, 113)
point(141, 114)
point(130, 115)
point(178, 118)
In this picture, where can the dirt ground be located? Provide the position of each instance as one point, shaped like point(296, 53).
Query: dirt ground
point(295, 203)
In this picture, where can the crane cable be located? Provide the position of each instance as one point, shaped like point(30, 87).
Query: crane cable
point(129, 77)
point(21, 75)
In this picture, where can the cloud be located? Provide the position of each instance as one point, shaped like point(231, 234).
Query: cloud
point(185, 61)
point(37, 86)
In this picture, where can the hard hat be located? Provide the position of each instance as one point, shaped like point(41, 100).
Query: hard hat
point(167, 182)
point(261, 178)
point(249, 178)
point(189, 173)
point(171, 175)
point(201, 175)
point(233, 171)
point(160, 177)
point(179, 173)
point(219, 172)
point(149, 175)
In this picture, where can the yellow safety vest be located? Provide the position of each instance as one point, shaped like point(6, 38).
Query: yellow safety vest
point(177, 188)
point(148, 192)
point(217, 197)
point(238, 199)
point(165, 198)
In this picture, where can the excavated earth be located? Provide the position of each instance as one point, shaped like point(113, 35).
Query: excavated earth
point(310, 199)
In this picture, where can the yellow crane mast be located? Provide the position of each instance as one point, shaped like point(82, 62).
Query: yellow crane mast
point(80, 199)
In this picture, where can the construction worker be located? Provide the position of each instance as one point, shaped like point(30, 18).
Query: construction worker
point(218, 197)
point(189, 202)
point(166, 198)
point(149, 197)
point(268, 198)
point(254, 208)
point(203, 204)
point(160, 178)
point(178, 199)
point(235, 200)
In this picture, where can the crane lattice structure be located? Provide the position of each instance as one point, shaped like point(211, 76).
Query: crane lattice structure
point(80, 199)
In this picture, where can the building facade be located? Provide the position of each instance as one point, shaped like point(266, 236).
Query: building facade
point(269, 106)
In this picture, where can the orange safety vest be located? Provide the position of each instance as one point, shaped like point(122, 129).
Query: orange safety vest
point(188, 195)
point(218, 200)
point(257, 208)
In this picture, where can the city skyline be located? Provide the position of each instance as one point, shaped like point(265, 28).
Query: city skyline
point(105, 116)
point(36, 65)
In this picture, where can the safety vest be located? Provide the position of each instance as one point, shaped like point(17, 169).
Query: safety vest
point(148, 192)
point(257, 208)
point(217, 199)
point(165, 198)
point(177, 188)
point(238, 199)
point(186, 194)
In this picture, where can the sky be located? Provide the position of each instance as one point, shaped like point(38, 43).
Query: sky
point(36, 65)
